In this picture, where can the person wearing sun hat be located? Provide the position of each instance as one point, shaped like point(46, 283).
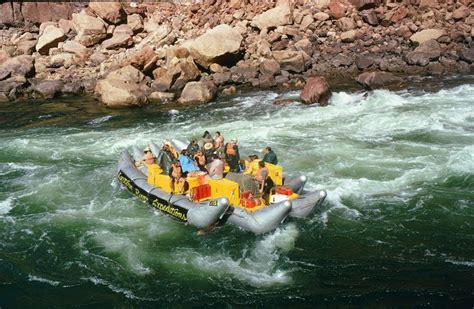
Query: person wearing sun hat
point(232, 155)
point(208, 151)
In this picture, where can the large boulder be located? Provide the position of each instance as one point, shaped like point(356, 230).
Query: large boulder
point(117, 93)
point(90, 30)
point(290, 60)
point(316, 90)
point(278, 16)
point(215, 43)
point(197, 92)
point(111, 12)
point(426, 35)
point(269, 67)
point(50, 38)
point(127, 73)
point(46, 89)
point(12, 87)
point(377, 79)
point(22, 65)
point(423, 54)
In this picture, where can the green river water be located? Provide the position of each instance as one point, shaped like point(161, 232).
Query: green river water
point(396, 230)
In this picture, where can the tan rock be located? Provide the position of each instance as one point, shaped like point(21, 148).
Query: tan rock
point(118, 41)
point(65, 25)
point(216, 68)
point(135, 22)
point(321, 16)
point(348, 36)
point(117, 93)
point(291, 60)
point(74, 47)
point(377, 79)
point(305, 45)
point(197, 92)
point(61, 60)
point(157, 37)
point(123, 29)
point(278, 16)
point(216, 42)
point(50, 38)
point(111, 12)
point(426, 35)
point(429, 4)
point(127, 73)
point(306, 22)
point(270, 67)
point(346, 24)
point(90, 30)
point(161, 97)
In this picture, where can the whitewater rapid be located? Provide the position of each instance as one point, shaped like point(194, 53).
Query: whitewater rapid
point(374, 153)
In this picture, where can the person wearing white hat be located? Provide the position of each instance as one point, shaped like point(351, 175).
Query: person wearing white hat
point(232, 155)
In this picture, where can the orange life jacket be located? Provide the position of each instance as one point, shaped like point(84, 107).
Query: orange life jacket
point(230, 149)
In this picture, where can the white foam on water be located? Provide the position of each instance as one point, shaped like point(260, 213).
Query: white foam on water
point(43, 280)
point(462, 161)
point(100, 120)
point(462, 263)
point(256, 266)
point(6, 206)
point(98, 281)
point(126, 247)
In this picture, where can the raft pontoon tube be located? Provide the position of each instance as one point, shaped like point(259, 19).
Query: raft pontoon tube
point(199, 215)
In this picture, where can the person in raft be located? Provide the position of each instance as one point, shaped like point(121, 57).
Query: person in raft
point(216, 168)
point(193, 147)
point(188, 166)
point(269, 156)
point(176, 176)
point(208, 152)
point(232, 155)
point(141, 162)
point(219, 143)
point(265, 182)
point(200, 161)
point(166, 157)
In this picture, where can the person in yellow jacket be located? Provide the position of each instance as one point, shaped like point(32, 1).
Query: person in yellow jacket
point(152, 169)
point(251, 165)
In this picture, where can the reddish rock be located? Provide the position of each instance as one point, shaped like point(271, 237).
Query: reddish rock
point(467, 54)
point(336, 9)
point(316, 90)
point(341, 60)
point(111, 12)
point(461, 13)
point(432, 4)
point(144, 59)
point(370, 17)
point(269, 67)
point(363, 61)
point(117, 41)
point(423, 54)
point(377, 79)
point(135, 22)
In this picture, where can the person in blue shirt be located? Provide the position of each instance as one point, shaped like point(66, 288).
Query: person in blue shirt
point(269, 156)
point(187, 164)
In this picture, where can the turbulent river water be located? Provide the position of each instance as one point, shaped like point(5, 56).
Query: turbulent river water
point(397, 227)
